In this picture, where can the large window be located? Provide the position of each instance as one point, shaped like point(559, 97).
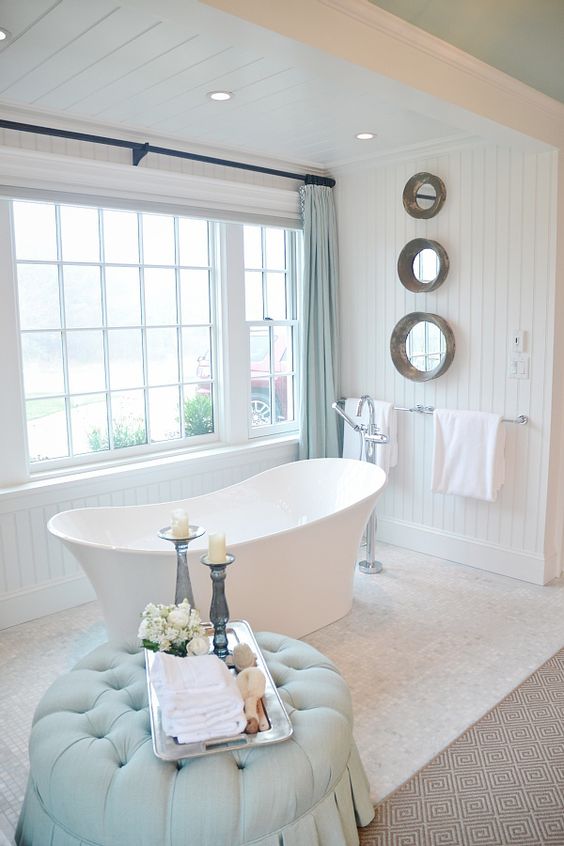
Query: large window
point(119, 317)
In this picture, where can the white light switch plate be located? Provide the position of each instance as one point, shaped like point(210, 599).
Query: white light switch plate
point(519, 366)
point(518, 341)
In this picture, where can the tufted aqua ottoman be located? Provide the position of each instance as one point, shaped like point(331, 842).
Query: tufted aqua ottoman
point(95, 780)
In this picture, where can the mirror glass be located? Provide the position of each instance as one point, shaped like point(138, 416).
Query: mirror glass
point(422, 346)
point(424, 195)
point(423, 265)
point(425, 346)
point(426, 266)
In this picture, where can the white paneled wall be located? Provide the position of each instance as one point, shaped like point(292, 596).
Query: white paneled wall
point(497, 226)
point(38, 576)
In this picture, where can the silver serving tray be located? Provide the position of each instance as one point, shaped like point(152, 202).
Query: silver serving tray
point(168, 748)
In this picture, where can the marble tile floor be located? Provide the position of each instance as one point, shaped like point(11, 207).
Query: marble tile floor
point(427, 649)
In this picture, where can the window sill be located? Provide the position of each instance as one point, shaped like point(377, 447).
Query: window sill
point(172, 461)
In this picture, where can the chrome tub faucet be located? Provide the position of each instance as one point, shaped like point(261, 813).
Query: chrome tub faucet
point(370, 437)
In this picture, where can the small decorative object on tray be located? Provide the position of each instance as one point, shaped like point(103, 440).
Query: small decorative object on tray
point(218, 559)
point(180, 533)
point(199, 706)
point(176, 629)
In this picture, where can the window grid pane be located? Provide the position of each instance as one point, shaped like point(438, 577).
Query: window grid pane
point(88, 385)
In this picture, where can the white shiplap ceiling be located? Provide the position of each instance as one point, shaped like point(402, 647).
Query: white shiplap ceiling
point(116, 64)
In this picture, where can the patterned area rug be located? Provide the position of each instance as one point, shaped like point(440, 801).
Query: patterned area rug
point(501, 783)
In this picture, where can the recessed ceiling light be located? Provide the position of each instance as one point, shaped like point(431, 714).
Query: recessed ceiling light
point(220, 95)
point(4, 34)
point(365, 136)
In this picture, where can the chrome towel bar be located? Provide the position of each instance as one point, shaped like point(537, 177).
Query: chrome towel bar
point(520, 420)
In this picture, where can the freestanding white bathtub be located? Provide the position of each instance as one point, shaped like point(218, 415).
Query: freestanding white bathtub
point(295, 531)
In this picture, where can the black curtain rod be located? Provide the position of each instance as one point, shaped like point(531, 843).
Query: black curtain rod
point(140, 150)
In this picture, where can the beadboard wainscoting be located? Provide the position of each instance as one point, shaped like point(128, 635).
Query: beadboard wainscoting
point(498, 228)
point(38, 576)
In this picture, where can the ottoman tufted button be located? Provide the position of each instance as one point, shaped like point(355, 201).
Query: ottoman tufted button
point(279, 793)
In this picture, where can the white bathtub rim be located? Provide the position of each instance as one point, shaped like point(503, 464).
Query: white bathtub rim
point(167, 552)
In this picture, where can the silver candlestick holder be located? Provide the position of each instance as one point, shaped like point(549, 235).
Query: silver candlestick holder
point(219, 612)
point(183, 584)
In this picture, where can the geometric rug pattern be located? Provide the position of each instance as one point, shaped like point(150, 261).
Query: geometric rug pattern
point(501, 783)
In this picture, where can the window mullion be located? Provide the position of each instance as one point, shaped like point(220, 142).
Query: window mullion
point(63, 330)
point(179, 339)
point(105, 335)
point(234, 359)
point(143, 327)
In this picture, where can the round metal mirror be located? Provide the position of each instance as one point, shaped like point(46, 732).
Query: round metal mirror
point(422, 346)
point(423, 265)
point(424, 195)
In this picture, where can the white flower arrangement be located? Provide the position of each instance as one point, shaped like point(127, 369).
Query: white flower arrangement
point(176, 629)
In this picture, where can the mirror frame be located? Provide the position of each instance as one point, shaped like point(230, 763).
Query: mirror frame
point(398, 341)
point(405, 265)
point(411, 190)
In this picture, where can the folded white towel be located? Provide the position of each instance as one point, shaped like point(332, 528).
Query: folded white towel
point(468, 453)
point(184, 723)
point(204, 728)
point(191, 673)
point(198, 697)
point(208, 733)
point(204, 707)
point(385, 419)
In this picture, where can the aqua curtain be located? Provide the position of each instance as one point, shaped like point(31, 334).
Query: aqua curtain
point(320, 331)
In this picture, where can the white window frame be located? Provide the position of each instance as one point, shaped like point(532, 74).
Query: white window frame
point(231, 403)
point(150, 448)
point(292, 272)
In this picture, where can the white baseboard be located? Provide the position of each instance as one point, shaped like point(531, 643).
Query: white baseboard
point(527, 567)
point(47, 598)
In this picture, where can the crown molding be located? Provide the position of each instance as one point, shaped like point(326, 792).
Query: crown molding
point(444, 82)
point(411, 36)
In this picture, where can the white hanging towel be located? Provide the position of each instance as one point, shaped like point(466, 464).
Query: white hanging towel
point(385, 419)
point(468, 453)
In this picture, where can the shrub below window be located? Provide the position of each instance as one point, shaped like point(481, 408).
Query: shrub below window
point(126, 433)
point(198, 415)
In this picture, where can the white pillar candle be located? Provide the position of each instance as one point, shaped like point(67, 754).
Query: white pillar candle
point(179, 525)
point(216, 549)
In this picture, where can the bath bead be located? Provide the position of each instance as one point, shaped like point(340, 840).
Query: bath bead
point(179, 525)
point(243, 656)
point(217, 549)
